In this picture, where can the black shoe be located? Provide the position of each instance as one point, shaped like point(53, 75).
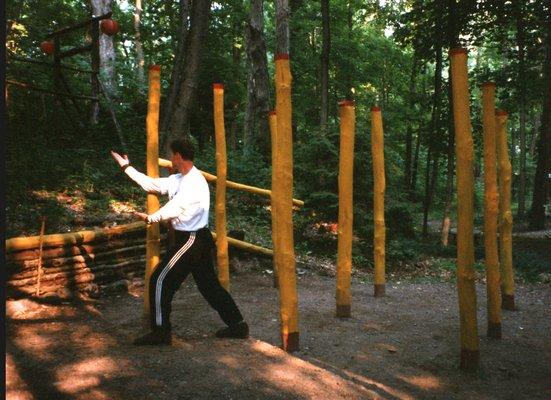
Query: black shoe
point(156, 337)
point(237, 331)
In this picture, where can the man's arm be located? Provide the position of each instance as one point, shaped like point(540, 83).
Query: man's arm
point(151, 185)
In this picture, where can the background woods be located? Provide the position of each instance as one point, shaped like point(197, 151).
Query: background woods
point(389, 53)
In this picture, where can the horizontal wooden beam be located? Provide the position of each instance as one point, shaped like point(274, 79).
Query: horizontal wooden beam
point(31, 61)
point(234, 185)
point(75, 51)
point(79, 25)
point(38, 89)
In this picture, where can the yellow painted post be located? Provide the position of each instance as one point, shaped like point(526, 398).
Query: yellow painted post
point(153, 239)
point(379, 234)
point(273, 133)
point(470, 355)
point(490, 211)
point(283, 196)
point(221, 172)
point(505, 215)
point(347, 114)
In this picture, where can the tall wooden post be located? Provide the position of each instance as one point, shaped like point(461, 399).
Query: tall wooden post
point(505, 214)
point(283, 196)
point(153, 242)
point(490, 211)
point(221, 173)
point(275, 231)
point(465, 241)
point(346, 208)
point(379, 235)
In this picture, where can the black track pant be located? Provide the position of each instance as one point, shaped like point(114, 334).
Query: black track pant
point(192, 252)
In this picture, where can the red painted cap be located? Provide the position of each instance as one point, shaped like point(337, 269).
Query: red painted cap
point(155, 67)
point(458, 50)
point(272, 113)
point(344, 103)
point(282, 56)
point(375, 108)
point(488, 84)
point(218, 86)
point(501, 113)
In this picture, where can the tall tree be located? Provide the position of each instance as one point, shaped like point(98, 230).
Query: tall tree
point(177, 119)
point(282, 27)
point(521, 83)
point(326, 48)
point(257, 128)
point(138, 40)
point(541, 179)
point(106, 49)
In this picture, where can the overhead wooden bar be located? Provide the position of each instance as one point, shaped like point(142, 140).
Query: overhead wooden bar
point(79, 25)
point(38, 89)
point(75, 51)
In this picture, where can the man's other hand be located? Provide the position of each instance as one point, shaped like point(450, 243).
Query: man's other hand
point(142, 216)
point(121, 160)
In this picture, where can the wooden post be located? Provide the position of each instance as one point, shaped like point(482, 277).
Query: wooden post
point(505, 215)
point(153, 241)
point(221, 173)
point(379, 234)
point(465, 240)
point(275, 231)
point(39, 267)
point(490, 211)
point(283, 196)
point(346, 208)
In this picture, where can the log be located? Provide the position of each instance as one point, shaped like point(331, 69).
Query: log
point(233, 185)
point(379, 185)
point(347, 116)
point(72, 238)
point(470, 354)
point(222, 256)
point(491, 212)
point(285, 256)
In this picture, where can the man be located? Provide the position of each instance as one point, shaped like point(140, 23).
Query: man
point(188, 212)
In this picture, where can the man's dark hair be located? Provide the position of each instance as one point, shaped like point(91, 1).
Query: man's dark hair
point(184, 147)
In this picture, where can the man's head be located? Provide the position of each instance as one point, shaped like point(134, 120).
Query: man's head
point(182, 154)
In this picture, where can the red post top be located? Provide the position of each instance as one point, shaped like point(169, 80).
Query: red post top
point(375, 108)
point(155, 67)
point(272, 113)
point(488, 84)
point(501, 113)
point(346, 103)
point(282, 56)
point(458, 50)
point(218, 86)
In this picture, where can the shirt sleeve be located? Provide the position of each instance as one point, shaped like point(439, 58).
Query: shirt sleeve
point(183, 206)
point(151, 185)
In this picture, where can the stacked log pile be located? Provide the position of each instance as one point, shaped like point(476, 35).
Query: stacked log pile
point(76, 260)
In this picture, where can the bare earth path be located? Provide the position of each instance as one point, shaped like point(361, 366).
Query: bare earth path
point(403, 346)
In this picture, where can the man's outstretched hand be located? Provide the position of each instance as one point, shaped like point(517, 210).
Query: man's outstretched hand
point(121, 160)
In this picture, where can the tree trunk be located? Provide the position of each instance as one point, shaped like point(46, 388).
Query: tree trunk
point(258, 83)
point(430, 181)
point(326, 48)
point(536, 124)
point(541, 180)
point(106, 49)
point(178, 67)
point(178, 119)
point(446, 220)
point(138, 41)
point(409, 132)
point(522, 105)
point(282, 27)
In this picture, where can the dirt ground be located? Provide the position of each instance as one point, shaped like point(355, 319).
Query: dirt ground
point(402, 346)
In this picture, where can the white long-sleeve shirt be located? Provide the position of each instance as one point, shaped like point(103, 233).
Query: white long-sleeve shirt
point(189, 198)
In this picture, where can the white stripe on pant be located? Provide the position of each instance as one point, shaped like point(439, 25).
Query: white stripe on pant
point(164, 272)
